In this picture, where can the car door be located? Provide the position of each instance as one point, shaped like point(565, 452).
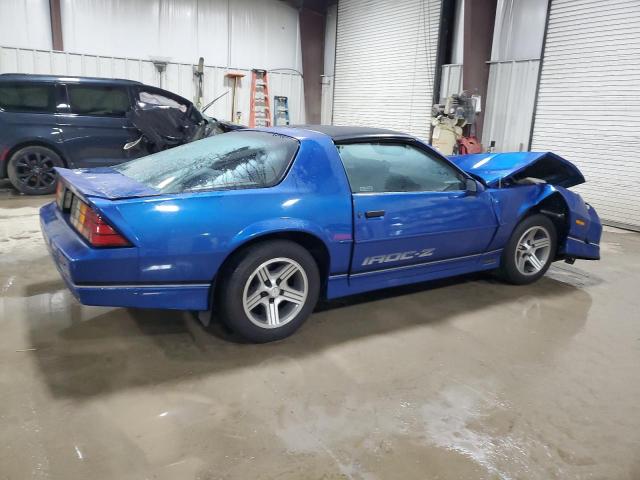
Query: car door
point(94, 125)
point(166, 119)
point(28, 112)
point(411, 207)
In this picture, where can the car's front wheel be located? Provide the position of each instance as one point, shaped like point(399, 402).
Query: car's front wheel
point(268, 291)
point(530, 250)
point(30, 170)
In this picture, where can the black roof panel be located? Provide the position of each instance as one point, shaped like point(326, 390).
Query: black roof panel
point(338, 133)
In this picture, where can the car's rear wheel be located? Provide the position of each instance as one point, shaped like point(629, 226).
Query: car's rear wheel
point(530, 250)
point(268, 291)
point(30, 170)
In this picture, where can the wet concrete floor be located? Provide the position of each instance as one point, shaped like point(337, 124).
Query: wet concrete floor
point(462, 379)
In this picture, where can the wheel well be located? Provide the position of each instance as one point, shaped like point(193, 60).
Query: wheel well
point(555, 209)
point(311, 243)
point(29, 143)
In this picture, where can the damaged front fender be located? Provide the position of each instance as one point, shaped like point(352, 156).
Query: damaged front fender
point(579, 225)
point(524, 182)
point(584, 228)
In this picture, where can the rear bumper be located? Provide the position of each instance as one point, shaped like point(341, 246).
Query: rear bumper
point(173, 297)
point(109, 277)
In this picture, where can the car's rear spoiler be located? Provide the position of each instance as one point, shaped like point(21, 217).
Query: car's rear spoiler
point(104, 183)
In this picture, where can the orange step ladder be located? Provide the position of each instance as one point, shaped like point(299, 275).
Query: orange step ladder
point(260, 113)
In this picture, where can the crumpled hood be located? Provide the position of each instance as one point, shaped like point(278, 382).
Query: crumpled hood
point(104, 182)
point(496, 168)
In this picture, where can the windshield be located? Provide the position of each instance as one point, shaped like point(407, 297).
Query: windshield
point(228, 161)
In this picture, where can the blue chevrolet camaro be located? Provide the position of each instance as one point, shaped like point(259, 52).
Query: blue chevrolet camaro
point(259, 224)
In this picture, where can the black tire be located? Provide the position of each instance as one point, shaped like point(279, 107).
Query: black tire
point(30, 170)
point(240, 274)
point(509, 269)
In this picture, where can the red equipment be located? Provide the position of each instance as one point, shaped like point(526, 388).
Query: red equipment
point(469, 145)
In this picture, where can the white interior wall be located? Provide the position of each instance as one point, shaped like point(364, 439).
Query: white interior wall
point(510, 102)
point(25, 23)
point(518, 30)
point(231, 33)
point(236, 33)
point(117, 38)
point(264, 32)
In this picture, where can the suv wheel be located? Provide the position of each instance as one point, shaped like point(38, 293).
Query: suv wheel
point(30, 170)
point(267, 293)
point(530, 250)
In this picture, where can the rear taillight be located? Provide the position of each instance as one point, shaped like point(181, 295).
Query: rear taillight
point(63, 196)
point(92, 227)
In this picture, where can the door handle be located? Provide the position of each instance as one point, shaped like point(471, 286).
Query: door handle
point(374, 213)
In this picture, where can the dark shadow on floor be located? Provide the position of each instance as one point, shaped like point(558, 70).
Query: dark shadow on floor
point(127, 348)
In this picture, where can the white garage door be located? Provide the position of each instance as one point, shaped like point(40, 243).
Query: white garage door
point(385, 64)
point(589, 101)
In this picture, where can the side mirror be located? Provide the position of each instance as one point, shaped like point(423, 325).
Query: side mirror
point(471, 186)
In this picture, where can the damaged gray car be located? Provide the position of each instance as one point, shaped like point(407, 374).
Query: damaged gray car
point(50, 121)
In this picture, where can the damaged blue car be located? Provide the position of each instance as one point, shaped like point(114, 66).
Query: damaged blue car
point(259, 224)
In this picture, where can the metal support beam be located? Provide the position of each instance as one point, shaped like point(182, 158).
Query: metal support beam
point(312, 26)
point(535, 100)
point(56, 25)
point(447, 18)
point(479, 19)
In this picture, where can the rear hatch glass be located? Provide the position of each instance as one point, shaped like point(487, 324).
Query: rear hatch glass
point(244, 159)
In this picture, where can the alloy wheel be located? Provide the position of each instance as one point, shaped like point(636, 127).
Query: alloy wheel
point(35, 170)
point(275, 292)
point(533, 251)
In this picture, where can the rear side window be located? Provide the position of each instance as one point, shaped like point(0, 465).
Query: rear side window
point(232, 160)
point(98, 100)
point(28, 97)
point(155, 98)
point(385, 167)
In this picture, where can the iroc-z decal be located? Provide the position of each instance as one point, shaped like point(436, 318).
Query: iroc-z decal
point(398, 256)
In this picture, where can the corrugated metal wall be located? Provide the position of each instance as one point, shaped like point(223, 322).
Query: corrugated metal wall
point(513, 73)
point(25, 23)
point(234, 33)
point(385, 64)
point(589, 101)
point(178, 77)
point(510, 101)
point(519, 29)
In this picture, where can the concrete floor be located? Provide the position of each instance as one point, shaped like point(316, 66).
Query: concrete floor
point(454, 380)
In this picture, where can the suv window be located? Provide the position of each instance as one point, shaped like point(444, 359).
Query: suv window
point(231, 161)
point(98, 100)
point(155, 98)
point(27, 97)
point(396, 167)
